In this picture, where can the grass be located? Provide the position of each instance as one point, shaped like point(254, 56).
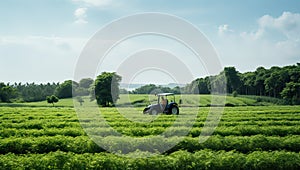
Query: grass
point(142, 100)
point(196, 100)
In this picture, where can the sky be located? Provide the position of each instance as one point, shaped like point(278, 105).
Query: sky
point(41, 41)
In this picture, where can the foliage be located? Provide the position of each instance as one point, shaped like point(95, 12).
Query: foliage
point(124, 91)
point(107, 88)
point(65, 90)
point(234, 93)
point(147, 89)
point(233, 81)
point(7, 92)
point(86, 83)
point(276, 82)
point(154, 89)
point(198, 86)
point(31, 92)
point(291, 93)
point(52, 99)
point(257, 137)
point(84, 87)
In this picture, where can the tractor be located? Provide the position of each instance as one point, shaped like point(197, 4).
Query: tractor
point(165, 104)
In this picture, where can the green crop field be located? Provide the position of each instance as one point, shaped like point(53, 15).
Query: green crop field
point(249, 136)
point(144, 100)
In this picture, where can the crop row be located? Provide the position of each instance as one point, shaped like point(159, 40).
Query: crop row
point(25, 113)
point(145, 131)
point(204, 159)
point(83, 144)
point(202, 116)
point(163, 118)
point(165, 122)
point(115, 119)
point(11, 132)
point(196, 123)
point(40, 124)
point(195, 132)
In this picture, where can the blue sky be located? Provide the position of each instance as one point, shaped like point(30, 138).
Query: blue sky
point(40, 41)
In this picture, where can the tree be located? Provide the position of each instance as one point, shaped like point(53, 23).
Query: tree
point(124, 91)
point(261, 75)
point(234, 94)
point(272, 84)
point(107, 88)
point(218, 83)
point(147, 89)
point(86, 83)
point(83, 87)
point(79, 91)
point(65, 90)
point(52, 99)
point(31, 92)
point(7, 92)
point(203, 85)
point(198, 86)
point(294, 73)
point(176, 90)
point(248, 80)
point(291, 93)
point(232, 78)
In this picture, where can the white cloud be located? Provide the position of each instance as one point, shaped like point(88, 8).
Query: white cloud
point(275, 41)
point(288, 24)
point(80, 12)
point(80, 15)
point(224, 29)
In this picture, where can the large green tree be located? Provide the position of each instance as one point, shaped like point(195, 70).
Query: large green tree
point(106, 88)
point(86, 83)
point(198, 86)
point(7, 92)
point(84, 86)
point(232, 79)
point(259, 83)
point(65, 90)
point(291, 93)
point(218, 83)
point(247, 80)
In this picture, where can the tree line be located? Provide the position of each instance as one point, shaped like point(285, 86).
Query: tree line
point(105, 90)
point(153, 89)
point(31, 92)
point(278, 82)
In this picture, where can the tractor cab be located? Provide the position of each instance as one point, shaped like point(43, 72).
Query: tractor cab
point(165, 104)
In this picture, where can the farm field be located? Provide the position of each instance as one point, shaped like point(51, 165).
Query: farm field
point(140, 100)
point(39, 136)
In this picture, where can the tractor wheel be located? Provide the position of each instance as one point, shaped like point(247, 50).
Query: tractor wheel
point(175, 110)
point(153, 112)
